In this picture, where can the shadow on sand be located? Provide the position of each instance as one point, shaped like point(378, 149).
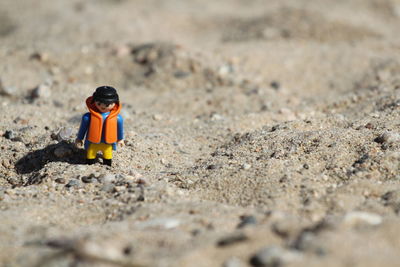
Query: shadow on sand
point(34, 161)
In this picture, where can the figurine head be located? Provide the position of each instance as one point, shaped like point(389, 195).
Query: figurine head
point(105, 98)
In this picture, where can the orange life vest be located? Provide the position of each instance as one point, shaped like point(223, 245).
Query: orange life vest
point(97, 123)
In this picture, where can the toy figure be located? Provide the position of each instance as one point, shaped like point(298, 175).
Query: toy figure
point(102, 125)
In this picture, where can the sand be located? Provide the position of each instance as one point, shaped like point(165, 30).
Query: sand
point(258, 133)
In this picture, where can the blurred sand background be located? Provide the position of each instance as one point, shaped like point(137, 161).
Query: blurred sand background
point(258, 133)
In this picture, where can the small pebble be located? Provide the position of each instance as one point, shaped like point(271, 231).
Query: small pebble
point(142, 181)
point(388, 137)
point(359, 218)
point(88, 179)
point(65, 134)
point(247, 220)
point(273, 256)
point(119, 188)
point(108, 187)
point(233, 262)
point(8, 90)
point(275, 85)
point(40, 56)
point(246, 166)
point(181, 74)
point(6, 163)
point(42, 91)
point(2, 194)
point(73, 183)
point(60, 180)
point(121, 50)
point(166, 223)
point(212, 167)
point(232, 239)
point(225, 69)
point(216, 117)
point(135, 174)
point(107, 178)
point(157, 117)
point(10, 135)
point(392, 198)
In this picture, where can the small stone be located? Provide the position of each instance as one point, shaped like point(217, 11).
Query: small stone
point(10, 135)
point(109, 250)
point(82, 168)
point(232, 239)
point(233, 262)
point(369, 126)
point(392, 199)
point(6, 163)
point(60, 180)
point(121, 50)
point(107, 178)
point(135, 174)
point(62, 152)
point(247, 220)
point(88, 179)
point(388, 137)
point(285, 227)
point(275, 85)
point(40, 56)
point(212, 167)
point(73, 183)
point(108, 187)
point(166, 223)
point(42, 91)
point(64, 134)
point(7, 90)
point(216, 117)
point(246, 166)
point(225, 69)
point(129, 179)
point(359, 218)
point(157, 117)
point(181, 74)
point(273, 257)
point(306, 241)
point(119, 188)
point(141, 181)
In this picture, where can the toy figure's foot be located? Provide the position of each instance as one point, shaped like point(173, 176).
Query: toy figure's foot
point(107, 162)
point(90, 161)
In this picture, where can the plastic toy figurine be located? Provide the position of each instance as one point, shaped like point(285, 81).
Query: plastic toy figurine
point(102, 125)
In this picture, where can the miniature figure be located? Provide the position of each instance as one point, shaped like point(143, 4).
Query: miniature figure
point(102, 125)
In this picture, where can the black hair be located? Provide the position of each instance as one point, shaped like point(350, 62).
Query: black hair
point(106, 95)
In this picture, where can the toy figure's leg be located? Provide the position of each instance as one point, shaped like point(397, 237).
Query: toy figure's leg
point(107, 154)
point(91, 154)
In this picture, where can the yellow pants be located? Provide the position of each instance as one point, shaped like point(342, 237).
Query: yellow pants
point(94, 148)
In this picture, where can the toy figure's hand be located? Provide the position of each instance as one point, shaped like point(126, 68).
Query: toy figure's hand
point(78, 143)
point(121, 143)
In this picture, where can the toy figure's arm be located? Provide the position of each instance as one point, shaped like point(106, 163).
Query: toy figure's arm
point(120, 130)
point(83, 129)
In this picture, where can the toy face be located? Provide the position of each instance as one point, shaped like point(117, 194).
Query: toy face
point(104, 107)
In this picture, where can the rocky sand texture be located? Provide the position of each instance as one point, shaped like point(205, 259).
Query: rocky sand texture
point(258, 133)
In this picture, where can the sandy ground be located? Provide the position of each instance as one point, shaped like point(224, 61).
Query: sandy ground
point(258, 133)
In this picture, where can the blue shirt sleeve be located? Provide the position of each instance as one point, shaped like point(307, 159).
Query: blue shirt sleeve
point(120, 126)
point(84, 126)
